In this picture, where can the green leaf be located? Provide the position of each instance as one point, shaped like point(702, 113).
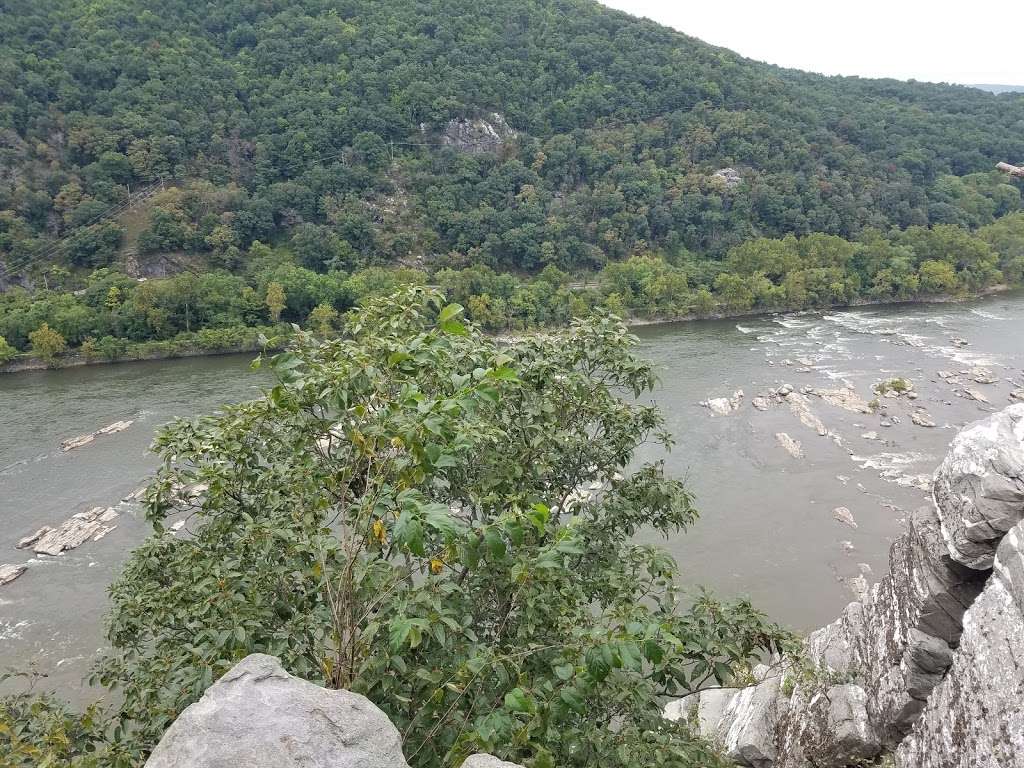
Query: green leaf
point(495, 544)
point(518, 701)
point(572, 697)
point(449, 312)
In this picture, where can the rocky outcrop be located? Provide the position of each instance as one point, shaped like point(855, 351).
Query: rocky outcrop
point(728, 177)
point(937, 635)
point(791, 446)
point(739, 721)
point(477, 136)
point(72, 533)
point(257, 716)
point(975, 717)
point(979, 488)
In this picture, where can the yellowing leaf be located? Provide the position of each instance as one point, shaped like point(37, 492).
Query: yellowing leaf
point(379, 531)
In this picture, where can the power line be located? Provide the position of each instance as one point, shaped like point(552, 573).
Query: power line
point(53, 248)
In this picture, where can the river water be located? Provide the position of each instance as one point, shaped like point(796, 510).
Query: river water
point(767, 527)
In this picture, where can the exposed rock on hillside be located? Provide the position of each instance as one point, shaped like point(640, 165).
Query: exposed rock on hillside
point(258, 716)
point(477, 136)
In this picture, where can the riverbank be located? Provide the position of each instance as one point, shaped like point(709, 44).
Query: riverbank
point(207, 343)
point(195, 347)
point(855, 304)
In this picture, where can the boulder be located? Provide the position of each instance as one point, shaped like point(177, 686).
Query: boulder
point(752, 716)
point(259, 716)
point(483, 760)
point(979, 487)
point(845, 516)
point(723, 406)
point(922, 418)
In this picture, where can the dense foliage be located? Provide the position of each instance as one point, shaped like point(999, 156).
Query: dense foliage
point(442, 523)
point(116, 317)
point(319, 123)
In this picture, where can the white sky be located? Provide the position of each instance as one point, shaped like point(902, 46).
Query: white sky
point(981, 41)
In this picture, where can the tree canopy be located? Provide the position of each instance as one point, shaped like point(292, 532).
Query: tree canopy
point(322, 122)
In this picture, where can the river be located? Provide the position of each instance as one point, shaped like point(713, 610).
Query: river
point(767, 527)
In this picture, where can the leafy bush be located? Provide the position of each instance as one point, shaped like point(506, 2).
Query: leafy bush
point(444, 525)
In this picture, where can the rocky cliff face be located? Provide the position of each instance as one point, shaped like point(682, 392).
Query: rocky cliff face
point(931, 663)
point(476, 136)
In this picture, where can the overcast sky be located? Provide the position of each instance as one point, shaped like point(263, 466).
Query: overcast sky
point(941, 41)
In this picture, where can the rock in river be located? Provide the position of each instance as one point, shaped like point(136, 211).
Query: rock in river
point(792, 447)
point(9, 573)
point(78, 442)
point(72, 533)
point(723, 406)
point(844, 515)
point(922, 418)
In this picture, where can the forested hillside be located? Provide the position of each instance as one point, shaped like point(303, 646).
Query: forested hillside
point(335, 131)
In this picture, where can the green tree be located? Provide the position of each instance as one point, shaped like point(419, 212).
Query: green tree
point(402, 516)
point(323, 319)
point(937, 277)
point(46, 343)
point(7, 352)
point(275, 301)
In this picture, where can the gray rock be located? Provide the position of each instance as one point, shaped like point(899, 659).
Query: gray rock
point(974, 717)
point(979, 488)
point(259, 716)
point(752, 716)
point(484, 760)
point(72, 533)
point(729, 176)
point(9, 573)
point(477, 136)
point(928, 653)
point(827, 725)
point(723, 406)
point(791, 446)
point(711, 707)
point(922, 418)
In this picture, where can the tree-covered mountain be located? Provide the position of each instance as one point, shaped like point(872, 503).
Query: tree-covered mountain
point(323, 119)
